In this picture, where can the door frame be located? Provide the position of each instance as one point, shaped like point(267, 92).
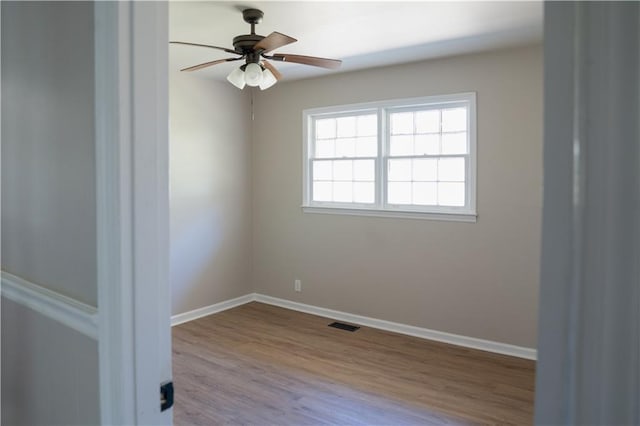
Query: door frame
point(132, 186)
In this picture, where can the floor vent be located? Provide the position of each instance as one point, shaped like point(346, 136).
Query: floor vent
point(343, 326)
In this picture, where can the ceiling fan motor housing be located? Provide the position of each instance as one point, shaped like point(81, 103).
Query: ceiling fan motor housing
point(243, 44)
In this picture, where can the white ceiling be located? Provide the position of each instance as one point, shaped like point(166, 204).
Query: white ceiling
point(362, 34)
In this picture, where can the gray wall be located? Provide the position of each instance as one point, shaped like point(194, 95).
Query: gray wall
point(478, 280)
point(48, 165)
point(210, 178)
point(49, 372)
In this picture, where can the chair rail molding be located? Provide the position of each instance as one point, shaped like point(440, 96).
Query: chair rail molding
point(72, 313)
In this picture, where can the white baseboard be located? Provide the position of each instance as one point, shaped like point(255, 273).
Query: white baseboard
point(424, 333)
point(409, 330)
point(211, 309)
point(58, 307)
point(84, 318)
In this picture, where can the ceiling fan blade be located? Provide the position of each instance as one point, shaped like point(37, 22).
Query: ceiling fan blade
point(208, 64)
point(273, 70)
point(273, 41)
point(307, 60)
point(205, 45)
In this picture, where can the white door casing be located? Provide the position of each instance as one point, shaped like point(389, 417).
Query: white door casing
point(131, 66)
point(589, 321)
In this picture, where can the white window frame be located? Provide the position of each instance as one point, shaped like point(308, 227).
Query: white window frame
point(381, 207)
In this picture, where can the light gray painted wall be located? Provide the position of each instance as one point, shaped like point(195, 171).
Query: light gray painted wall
point(478, 280)
point(48, 166)
point(210, 178)
point(49, 372)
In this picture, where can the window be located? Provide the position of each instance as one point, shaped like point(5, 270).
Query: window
point(410, 158)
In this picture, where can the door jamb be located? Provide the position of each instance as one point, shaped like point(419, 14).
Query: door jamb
point(131, 116)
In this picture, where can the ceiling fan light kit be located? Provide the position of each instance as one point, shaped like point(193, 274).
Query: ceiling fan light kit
point(236, 77)
point(257, 71)
point(268, 80)
point(253, 74)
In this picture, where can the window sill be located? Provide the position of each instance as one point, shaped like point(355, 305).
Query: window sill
point(400, 214)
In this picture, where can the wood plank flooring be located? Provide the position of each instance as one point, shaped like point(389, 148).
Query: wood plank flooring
point(263, 365)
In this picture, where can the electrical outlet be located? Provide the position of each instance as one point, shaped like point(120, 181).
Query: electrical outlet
point(297, 285)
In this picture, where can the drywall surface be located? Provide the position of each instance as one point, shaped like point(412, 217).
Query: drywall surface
point(210, 178)
point(48, 165)
point(49, 371)
point(474, 279)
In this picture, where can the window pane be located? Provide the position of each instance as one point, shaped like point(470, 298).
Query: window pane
point(346, 127)
point(399, 192)
point(343, 170)
point(364, 192)
point(366, 147)
point(425, 169)
point(345, 147)
point(322, 191)
point(419, 163)
point(343, 192)
point(322, 170)
point(402, 123)
point(428, 121)
point(451, 169)
point(425, 193)
point(402, 145)
point(368, 125)
point(326, 128)
point(325, 148)
point(364, 170)
point(454, 143)
point(451, 194)
point(454, 119)
point(399, 170)
point(427, 144)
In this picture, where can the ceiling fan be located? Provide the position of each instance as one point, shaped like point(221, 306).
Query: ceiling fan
point(254, 49)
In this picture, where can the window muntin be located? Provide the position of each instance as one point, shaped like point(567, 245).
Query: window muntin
point(415, 155)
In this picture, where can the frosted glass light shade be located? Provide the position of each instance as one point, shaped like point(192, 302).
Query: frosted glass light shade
point(253, 74)
point(268, 80)
point(236, 77)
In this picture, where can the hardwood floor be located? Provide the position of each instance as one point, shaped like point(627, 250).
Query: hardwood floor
point(263, 365)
